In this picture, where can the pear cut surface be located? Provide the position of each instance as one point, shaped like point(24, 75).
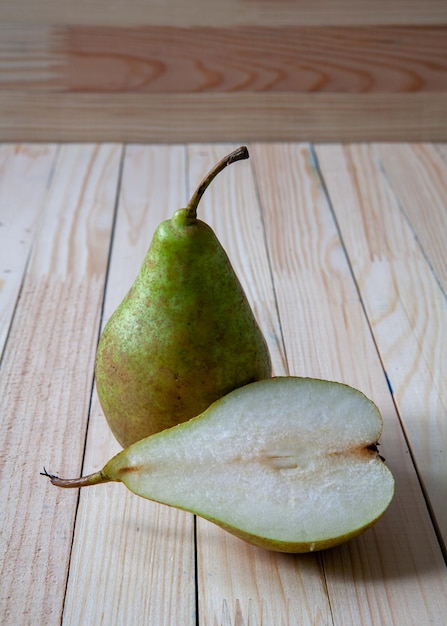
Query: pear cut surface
point(288, 464)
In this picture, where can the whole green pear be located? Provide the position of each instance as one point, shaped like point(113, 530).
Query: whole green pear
point(183, 336)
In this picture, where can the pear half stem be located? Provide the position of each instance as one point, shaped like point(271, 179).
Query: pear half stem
point(84, 481)
point(237, 155)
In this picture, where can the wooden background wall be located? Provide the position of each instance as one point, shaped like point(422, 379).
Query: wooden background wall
point(225, 70)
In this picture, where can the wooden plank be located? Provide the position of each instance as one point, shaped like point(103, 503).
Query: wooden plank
point(441, 148)
point(238, 117)
point(46, 381)
point(167, 59)
point(131, 547)
point(403, 299)
point(24, 175)
point(241, 12)
point(418, 177)
point(326, 335)
point(239, 584)
point(274, 64)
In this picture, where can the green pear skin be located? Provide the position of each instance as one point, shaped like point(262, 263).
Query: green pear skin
point(183, 336)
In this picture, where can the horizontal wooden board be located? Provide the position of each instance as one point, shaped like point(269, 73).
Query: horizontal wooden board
point(51, 49)
point(211, 12)
point(222, 117)
point(167, 59)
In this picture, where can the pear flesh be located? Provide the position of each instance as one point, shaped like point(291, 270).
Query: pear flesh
point(184, 335)
point(287, 464)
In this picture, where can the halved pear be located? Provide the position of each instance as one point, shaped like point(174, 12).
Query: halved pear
point(288, 464)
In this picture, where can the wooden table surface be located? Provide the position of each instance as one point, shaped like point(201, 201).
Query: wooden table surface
point(341, 250)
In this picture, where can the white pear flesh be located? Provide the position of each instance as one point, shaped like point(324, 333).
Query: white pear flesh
point(287, 464)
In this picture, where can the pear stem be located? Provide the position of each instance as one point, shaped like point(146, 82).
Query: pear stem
point(84, 481)
point(237, 155)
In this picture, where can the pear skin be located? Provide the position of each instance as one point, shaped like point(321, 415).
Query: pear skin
point(184, 335)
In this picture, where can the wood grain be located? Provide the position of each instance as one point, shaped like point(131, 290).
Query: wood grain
point(403, 299)
point(125, 72)
point(24, 175)
point(343, 266)
point(146, 549)
point(236, 117)
point(46, 380)
point(326, 335)
point(231, 12)
point(417, 176)
point(156, 59)
point(240, 585)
